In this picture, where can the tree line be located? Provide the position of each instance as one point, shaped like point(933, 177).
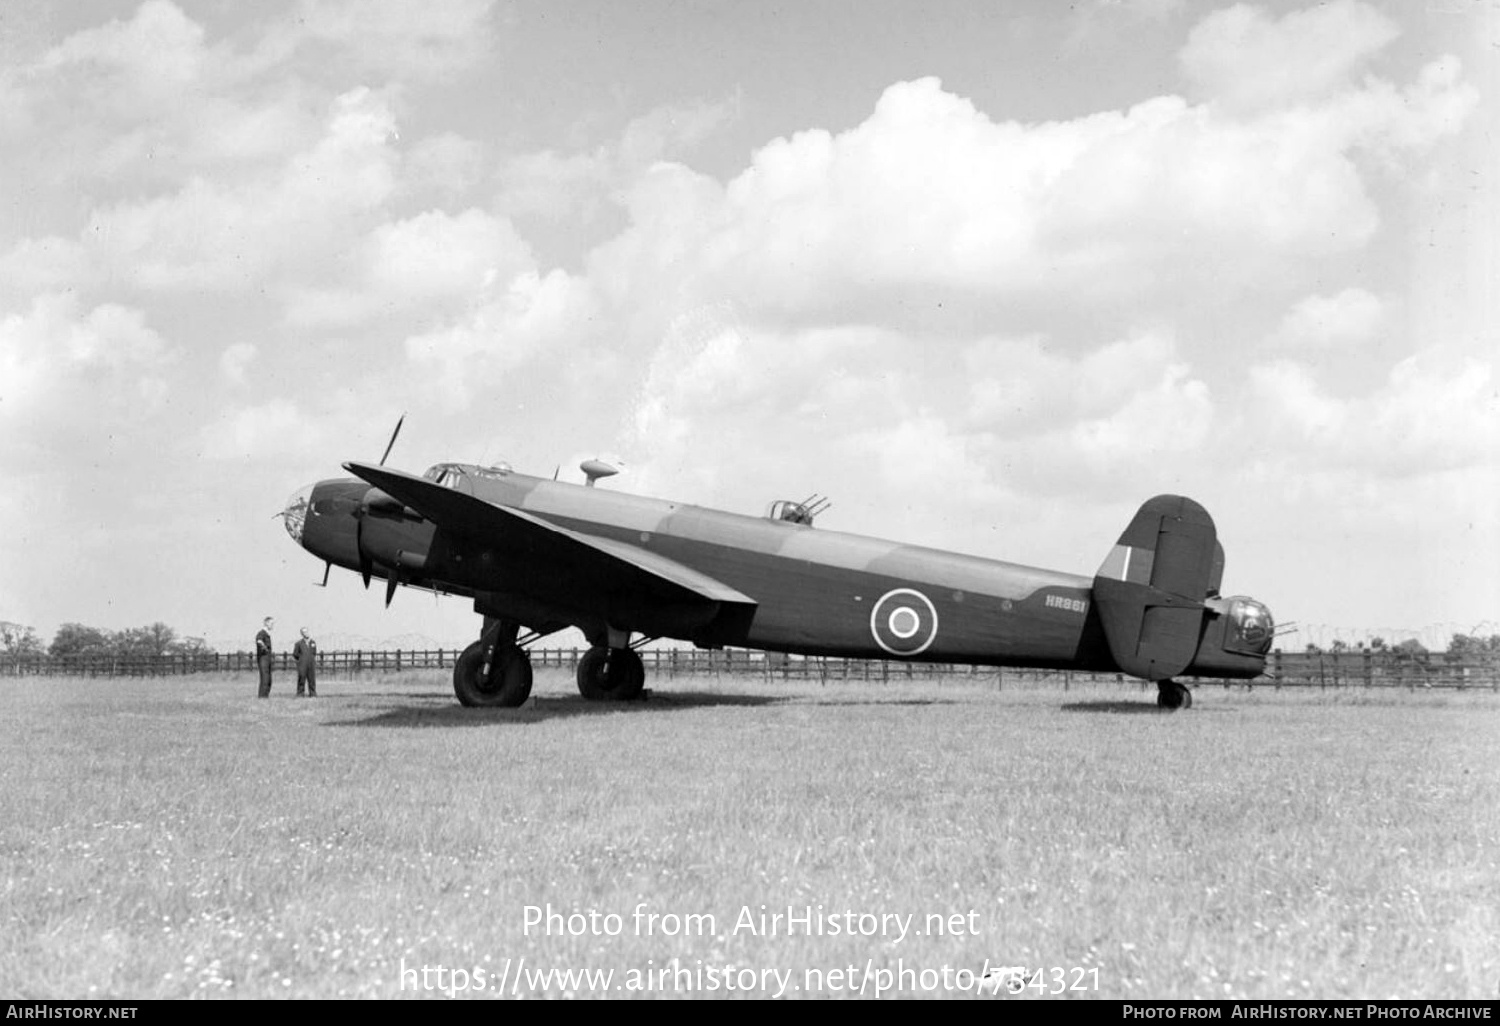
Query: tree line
point(1462, 646)
point(79, 641)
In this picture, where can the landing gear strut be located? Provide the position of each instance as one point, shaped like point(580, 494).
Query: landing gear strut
point(1172, 696)
point(494, 672)
point(611, 674)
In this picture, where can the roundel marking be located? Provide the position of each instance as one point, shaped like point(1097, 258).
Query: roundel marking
point(904, 622)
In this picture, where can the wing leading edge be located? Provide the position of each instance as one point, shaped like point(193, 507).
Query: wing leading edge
point(528, 542)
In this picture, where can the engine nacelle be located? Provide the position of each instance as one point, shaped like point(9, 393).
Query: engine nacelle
point(392, 536)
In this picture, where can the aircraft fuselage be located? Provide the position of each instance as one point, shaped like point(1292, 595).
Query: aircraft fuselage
point(815, 592)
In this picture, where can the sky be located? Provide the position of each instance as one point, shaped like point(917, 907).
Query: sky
point(986, 275)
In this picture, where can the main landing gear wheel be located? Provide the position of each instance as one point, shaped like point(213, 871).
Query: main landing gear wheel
point(611, 674)
point(1172, 696)
point(503, 682)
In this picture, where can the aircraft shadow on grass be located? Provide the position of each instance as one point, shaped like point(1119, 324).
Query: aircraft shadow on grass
point(547, 708)
point(880, 701)
point(1121, 708)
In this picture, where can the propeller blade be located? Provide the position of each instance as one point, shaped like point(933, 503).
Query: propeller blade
point(391, 444)
point(390, 590)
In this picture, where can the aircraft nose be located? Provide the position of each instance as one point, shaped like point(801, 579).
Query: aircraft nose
point(294, 515)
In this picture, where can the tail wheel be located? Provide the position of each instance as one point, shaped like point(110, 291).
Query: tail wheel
point(1172, 696)
point(504, 683)
point(611, 674)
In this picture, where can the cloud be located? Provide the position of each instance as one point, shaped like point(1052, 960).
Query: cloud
point(1025, 386)
point(1433, 413)
point(831, 270)
point(45, 264)
point(723, 393)
point(275, 429)
point(518, 319)
point(1436, 413)
point(437, 254)
point(1340, 321)
point(930, 199)
point(428, 264)
point(209, 165)
point(1128, 410)
point(1294, 405)
point(446, 163)
point(147, 61)
point(236, 360)
point(579, 185)
point(389, 39)
point(1173, 415)
point(1243, 58)
point(73, 382)
point(163, 103)
point(216, 234)
point(432, 265)
point(555, 185)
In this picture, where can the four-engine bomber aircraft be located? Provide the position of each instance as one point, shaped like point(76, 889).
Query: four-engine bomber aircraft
point(539, 555)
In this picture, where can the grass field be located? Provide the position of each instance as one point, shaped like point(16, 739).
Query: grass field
point(178, 838)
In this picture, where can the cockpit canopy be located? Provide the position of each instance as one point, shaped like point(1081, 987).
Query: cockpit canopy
point(450, 474)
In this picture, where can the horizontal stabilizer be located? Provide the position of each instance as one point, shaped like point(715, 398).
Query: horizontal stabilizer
point(523, 541)
point(1150, 589)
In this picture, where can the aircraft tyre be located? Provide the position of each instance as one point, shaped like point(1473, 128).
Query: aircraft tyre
point(611, 674)
point(506, 685)
point(1172, 696)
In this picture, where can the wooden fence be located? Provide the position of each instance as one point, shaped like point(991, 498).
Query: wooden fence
point(1360, 668)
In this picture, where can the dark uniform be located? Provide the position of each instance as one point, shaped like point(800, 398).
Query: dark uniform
point(305, 651)
point(263, 655)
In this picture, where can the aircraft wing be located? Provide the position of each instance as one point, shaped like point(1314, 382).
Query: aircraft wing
point(525, 541)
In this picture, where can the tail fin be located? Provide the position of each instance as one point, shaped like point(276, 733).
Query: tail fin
point(1150, 590)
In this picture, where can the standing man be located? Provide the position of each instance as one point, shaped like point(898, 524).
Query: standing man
point(263, 655)
point(305, 651)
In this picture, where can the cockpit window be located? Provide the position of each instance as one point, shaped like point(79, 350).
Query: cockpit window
point(445, 474)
